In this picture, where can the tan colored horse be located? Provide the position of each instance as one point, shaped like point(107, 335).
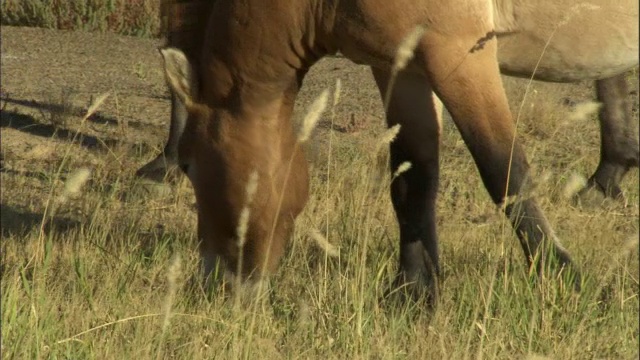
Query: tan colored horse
point(240, 94)
point(556, 41)
point(569, 40)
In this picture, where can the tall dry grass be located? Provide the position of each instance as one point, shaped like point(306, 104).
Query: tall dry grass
point(104, 286)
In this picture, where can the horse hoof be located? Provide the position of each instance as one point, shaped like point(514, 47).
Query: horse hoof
point(421, 291)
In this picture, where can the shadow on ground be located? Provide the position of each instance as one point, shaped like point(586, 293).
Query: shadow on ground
point(97, 117)
point(28, 124)
point(17, 222)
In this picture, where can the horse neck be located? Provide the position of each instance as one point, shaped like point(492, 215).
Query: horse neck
point(253, 62)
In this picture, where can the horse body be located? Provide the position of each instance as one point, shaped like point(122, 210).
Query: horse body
point(555, 41)
point(566, 40)
point(233, 96)
point(239, 97)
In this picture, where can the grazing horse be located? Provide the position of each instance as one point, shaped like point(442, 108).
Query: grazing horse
point(544, 39)
point(239, 97)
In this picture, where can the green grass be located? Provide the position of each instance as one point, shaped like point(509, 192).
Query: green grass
point(96, 282)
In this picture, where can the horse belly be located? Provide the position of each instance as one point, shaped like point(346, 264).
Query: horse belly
point(562, 40)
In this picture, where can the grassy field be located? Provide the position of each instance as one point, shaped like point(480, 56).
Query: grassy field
point(91, 277)
point(107, 268)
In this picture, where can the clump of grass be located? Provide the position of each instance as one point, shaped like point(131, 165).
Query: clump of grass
point(76, 180)
point(62, 109)
point(126, 17)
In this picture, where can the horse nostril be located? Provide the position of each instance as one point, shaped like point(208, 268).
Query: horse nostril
point(184, 168)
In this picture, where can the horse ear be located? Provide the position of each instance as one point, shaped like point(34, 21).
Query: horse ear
point(180, 74)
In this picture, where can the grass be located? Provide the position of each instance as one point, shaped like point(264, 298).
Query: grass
point(102, 279)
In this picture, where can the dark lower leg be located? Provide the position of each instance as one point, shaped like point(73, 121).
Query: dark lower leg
point(176, 127)
point(413, 193)
point(536, 236)
point(165, 162)
point(619, 136)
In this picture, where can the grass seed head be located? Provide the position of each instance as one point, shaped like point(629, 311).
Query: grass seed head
point(74, 183)
point(402, 168)
point(323, 243)
point(574, 185)
point(389, 135)
point(243, 221)
point(313, 115)
point(583, 110)
point(172, 278)
point(336, 92)
point(407, 47)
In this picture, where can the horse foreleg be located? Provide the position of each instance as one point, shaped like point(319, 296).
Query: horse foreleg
point(413, 192)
